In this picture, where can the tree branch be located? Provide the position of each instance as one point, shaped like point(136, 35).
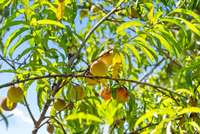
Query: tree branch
point(29, 111)
point(94, 28)
point(151, 71)
point(158, 88)
point(13, 67)
point(98, 24)
point(46, 106)
point(8, 116)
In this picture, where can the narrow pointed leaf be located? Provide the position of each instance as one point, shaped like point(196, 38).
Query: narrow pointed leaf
point(19, 42)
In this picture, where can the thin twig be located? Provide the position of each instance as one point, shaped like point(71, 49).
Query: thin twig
point(150, 72)
point(59, 123)
point(140, 129)
point(42, 124)
point(46, 106)
point(97, 25)
point(8, 116)
point(93, 29)
point(29, 110)
point(13, 67)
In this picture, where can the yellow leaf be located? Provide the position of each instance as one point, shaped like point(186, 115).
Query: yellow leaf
point(151, 15)
point(117, 58)
point(116, 70)
point(60, 10)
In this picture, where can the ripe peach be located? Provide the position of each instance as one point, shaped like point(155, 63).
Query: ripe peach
point(7, 105)
point(98, 68)
point(90, 81)
point(107, 57)
point(121, 94)
point(106, 94)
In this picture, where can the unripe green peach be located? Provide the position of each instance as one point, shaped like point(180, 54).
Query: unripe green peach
point(76, 93)
point(59, 104)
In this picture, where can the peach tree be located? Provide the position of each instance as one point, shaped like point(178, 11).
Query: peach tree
point(130, 65)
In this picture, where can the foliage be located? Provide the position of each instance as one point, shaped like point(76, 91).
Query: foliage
point(50, 45)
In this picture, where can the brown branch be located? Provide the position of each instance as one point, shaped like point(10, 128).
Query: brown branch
point(158, 88)
point(59, 123)
point(98, 24)
point(55, 89)
point(150, 72)
point(140, 129)
point(94, 28)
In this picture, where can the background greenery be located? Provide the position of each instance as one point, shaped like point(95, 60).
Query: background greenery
point(48, 43)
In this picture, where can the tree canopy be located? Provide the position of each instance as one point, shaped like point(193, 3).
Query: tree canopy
point(130, 65)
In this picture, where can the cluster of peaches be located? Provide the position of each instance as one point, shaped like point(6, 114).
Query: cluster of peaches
point(14, 95)
point(99, 68)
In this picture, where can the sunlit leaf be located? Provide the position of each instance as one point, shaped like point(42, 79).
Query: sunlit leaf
point(134, 51)
point(191, 26)
point(84, 116)
point(60, 10)
point(188, 12)
point(12, 37)
point(189, 110)
point(18, 43)
point(163, 42)
point(50, 22)
point(124, 26)
point(195, 125)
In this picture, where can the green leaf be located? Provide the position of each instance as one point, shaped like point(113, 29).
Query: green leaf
point(146, 48)
point(163, 42)
point(124, 26)
point(19, 42)
point(4, 119)
point(50, 22)
point(172, 40)
point(24, 52)
point(195, 125)
point(189, 110)
point(7, 71)
point(9, 24)
point(175, 21)
point(84, 116)
point(146, 51)
point(4, 3)
point(151, 113)
point(188, 12)
point(12, 37)
point(184, 91)
point(134, 51)
point(191, 26)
